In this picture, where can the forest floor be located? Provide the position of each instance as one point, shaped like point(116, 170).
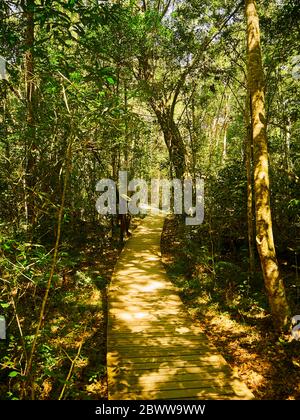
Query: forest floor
point(70, 361)
point(269, 365)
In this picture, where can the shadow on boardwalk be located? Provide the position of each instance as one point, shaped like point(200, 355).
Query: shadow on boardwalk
point(154, 350)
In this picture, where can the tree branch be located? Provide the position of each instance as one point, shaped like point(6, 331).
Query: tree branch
point(198, 56)
point(163, 14)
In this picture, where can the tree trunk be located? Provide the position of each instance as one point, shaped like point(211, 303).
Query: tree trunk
point(173, 140)
point(249, 171)
point(264, 232)
point(191, 129)
point(31, 150)
point(287, 143)
point(225, 128)
point(126, 132)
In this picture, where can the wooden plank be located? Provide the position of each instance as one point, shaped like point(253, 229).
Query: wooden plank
point(171, 360)
point(162, 342)
point(147, 332)
point(181, 379)
point(146, 314)
point(203, 394)
point(138, 298)
point(159, 329)
point(159, 335)
point(166, 371)
point(157, 350)
point(171, 342)
point(138, 325)
point(149, 335)
point(154, 386)
point(212, 367)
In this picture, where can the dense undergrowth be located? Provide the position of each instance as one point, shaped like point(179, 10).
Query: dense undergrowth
point(232, 308)
point(70, 362)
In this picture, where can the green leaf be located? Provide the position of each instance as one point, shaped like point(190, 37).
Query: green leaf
point(110, 80)
point(13, 374)
point(4, 305)
point(75, 75)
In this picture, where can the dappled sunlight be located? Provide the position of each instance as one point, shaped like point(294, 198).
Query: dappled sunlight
point(154, 350)
point(153, 285)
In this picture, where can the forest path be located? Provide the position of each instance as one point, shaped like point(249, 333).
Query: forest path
point(154, 350)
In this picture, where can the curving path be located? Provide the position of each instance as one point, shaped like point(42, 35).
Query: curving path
point(154, 350)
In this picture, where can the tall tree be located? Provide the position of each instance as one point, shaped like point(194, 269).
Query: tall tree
point(30, 141)
point(167, 47)
point(264, 232)
point(249, 172)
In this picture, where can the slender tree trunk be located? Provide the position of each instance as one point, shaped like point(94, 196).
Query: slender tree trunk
point(31, 151)
point(225, 127)
point(126, 134)
point(224, 152)
point(264, 232)
point(28, 384)
point(249, 171)
point(191, 129)
point(287, 144)
point(212, 135)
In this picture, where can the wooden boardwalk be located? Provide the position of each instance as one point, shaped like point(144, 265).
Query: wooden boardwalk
point(154, 350)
